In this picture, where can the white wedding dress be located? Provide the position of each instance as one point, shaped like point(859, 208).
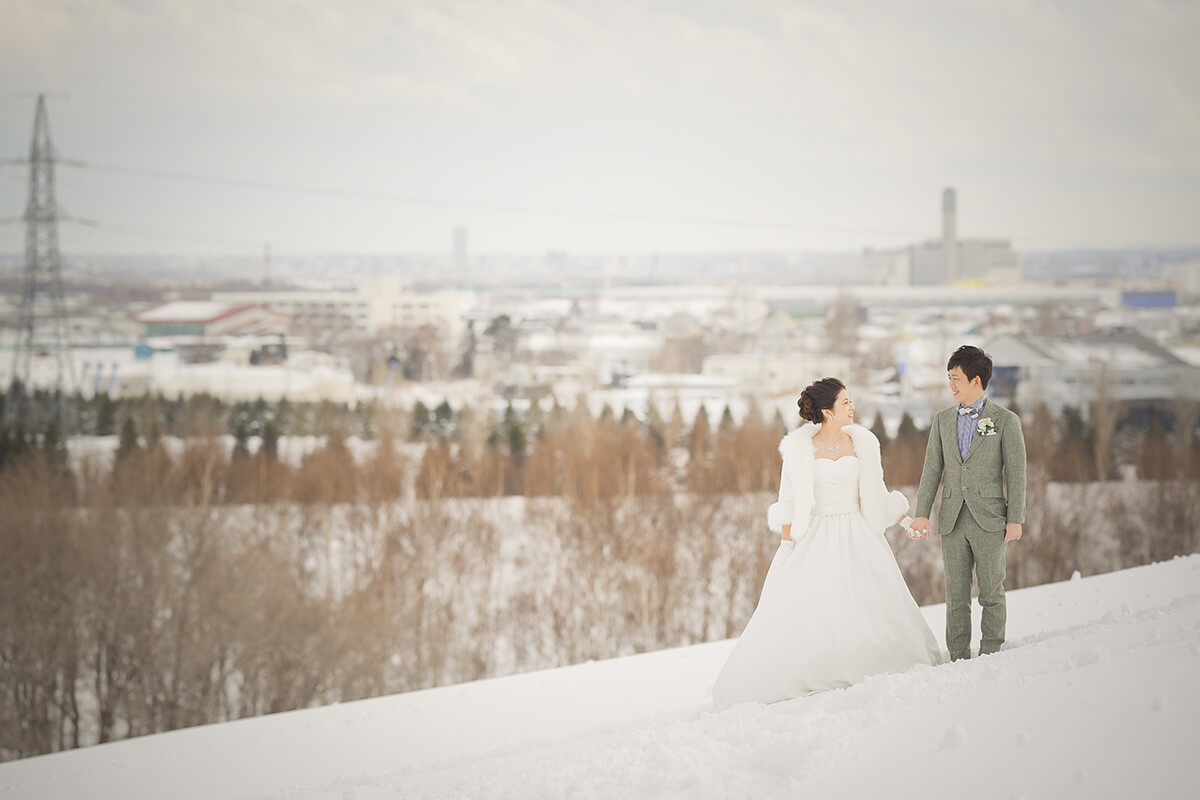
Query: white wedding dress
point(833, 609)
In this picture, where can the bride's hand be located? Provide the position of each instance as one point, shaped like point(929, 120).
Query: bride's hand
point(787, 533)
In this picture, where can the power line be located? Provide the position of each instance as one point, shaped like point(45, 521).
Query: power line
point(331, 191)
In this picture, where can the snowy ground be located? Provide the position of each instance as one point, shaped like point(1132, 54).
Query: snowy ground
point(1095, 695)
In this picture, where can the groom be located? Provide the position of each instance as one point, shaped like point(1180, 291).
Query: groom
point(980, 442)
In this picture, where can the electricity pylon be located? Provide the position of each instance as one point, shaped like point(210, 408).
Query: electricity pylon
point(43, 280)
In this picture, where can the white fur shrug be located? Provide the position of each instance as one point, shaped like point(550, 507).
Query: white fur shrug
point(880, 507)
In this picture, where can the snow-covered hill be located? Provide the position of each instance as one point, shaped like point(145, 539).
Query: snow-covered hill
point(1097, 695)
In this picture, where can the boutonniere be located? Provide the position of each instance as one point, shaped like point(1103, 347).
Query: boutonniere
point(986, 427)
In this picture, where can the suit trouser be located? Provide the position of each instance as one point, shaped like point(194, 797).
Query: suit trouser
point(965, 548)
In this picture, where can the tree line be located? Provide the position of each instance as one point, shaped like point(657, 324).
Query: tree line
point(207, 578)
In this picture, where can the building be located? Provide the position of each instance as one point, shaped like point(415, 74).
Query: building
point(951, 260)
point(1123, 365)
point(212, 319)
point(775, 372)
point(371, 306)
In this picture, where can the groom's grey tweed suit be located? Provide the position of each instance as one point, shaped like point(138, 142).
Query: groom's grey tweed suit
point(972, 517)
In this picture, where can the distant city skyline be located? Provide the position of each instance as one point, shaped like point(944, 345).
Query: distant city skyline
point(374, 127)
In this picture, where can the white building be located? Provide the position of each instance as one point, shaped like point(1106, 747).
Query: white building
point(775, 372)
point(1062, 371)
point(371, 306)
point(209, 319)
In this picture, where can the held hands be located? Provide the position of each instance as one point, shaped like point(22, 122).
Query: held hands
point(919, 529)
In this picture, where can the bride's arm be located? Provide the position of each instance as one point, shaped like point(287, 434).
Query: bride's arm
point(779, 514)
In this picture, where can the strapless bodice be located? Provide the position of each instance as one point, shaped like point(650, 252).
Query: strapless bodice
point(836, 486)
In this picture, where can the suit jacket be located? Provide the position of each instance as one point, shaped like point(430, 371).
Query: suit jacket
point(979, 480)
point(880, 507)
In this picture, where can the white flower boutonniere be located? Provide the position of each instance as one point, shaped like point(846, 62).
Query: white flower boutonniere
point(986, 427)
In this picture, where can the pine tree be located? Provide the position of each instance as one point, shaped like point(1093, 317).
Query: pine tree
point(241, 437)
point(283, 415)
point(270, 440)
point(420, 420)
point(779, 423)
point(700, 436)
point(753, 412)
point(726, 423)
point(128, 442)
point(675, 426)
point(443, 417)
point(880, 431)
point(514, 435)
point(106, 415)
point(53, 447)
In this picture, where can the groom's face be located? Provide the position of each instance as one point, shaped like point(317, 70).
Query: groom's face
point(964, 390)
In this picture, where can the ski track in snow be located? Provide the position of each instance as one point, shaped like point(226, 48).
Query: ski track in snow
point(1095, 695)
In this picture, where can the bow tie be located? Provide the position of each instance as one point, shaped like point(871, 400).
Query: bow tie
point(973, 412)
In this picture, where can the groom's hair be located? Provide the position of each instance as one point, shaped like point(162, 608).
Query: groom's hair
point(973, 362)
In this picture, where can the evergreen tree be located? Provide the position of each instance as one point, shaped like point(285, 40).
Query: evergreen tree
point(1074, 428)
point(270, 440)
point(907, 427)
point(701, 434)
point(779, 423)
point(726, 423)
point(556, 417)
point(420, 420)
point(365, 419)
point(514, 435)
point(106, 416)
point(14, 443)
point(465, 367)
point(284, 414)
point(674, 432)
point(443, 417)
point(241, 437)
point(877, 428)
point(54, 448)
point(128, 441)
point(753, 412)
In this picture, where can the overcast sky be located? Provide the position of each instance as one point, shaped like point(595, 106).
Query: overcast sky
point(607, 126)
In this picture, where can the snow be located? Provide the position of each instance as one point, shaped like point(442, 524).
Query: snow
point(187, 311)
point(1093, 696)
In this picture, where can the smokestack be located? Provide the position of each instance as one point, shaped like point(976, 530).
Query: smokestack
point(950, 233)
point(460, 250)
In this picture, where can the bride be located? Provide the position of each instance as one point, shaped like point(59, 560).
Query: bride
point(834, 607)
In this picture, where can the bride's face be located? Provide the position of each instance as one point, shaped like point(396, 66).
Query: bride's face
point(842, 412)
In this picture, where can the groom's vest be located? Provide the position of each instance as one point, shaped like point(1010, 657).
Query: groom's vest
point(977, 481)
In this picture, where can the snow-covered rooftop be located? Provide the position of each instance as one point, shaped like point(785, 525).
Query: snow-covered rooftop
point(189, 311)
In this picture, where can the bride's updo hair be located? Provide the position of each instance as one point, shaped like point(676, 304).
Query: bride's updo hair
point(818, 396)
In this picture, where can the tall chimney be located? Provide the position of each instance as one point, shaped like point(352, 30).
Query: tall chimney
point(950, 233)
